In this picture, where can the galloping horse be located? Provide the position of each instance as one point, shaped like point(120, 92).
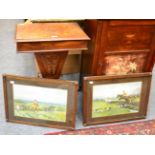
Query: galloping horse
point(127, 98)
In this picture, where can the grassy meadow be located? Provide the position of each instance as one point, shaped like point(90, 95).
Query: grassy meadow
point(115, 106)
point(38, 110)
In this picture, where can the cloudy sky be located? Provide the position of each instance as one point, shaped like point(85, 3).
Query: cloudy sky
point(48, 95)
point(112, 90)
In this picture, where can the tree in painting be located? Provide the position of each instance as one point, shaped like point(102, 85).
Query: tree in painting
point(40, 102)
point(116, 99)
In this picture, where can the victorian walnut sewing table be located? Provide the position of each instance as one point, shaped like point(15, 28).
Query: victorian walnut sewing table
point(50, 42)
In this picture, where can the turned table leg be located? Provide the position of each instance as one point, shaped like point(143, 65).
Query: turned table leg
point(50, 64)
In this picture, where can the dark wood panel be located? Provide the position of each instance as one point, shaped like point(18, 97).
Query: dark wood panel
point(88, 56)
point(129, 38)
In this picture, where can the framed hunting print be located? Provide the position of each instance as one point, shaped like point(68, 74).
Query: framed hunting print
point(44, 102)
point(115, 98)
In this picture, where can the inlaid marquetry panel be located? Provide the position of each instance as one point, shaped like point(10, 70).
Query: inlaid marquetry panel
point(51, 64)
point(125, 64)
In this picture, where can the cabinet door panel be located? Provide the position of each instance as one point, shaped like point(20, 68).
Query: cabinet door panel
point(129, 38)
point(124, 63)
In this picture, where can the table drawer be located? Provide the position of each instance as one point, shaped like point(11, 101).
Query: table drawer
point(51, 46)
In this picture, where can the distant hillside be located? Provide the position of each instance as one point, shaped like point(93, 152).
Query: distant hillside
point(29, 101)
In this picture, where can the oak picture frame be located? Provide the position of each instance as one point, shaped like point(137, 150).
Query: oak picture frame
point(69, 87)
point(89, 103)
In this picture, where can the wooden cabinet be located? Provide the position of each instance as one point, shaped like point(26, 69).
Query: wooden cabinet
point(119, 47)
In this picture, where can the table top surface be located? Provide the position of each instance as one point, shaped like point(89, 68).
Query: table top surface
point(34, 32)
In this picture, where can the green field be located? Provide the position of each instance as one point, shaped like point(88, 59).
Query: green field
point(101, 108)
point(40, 111)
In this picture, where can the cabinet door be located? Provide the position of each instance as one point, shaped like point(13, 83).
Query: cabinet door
point(120, 46)
point(126, 49)
point(125, 63)
point(124, 38)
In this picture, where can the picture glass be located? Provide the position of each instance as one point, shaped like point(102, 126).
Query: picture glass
point(116, 99)
point(40, 102)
